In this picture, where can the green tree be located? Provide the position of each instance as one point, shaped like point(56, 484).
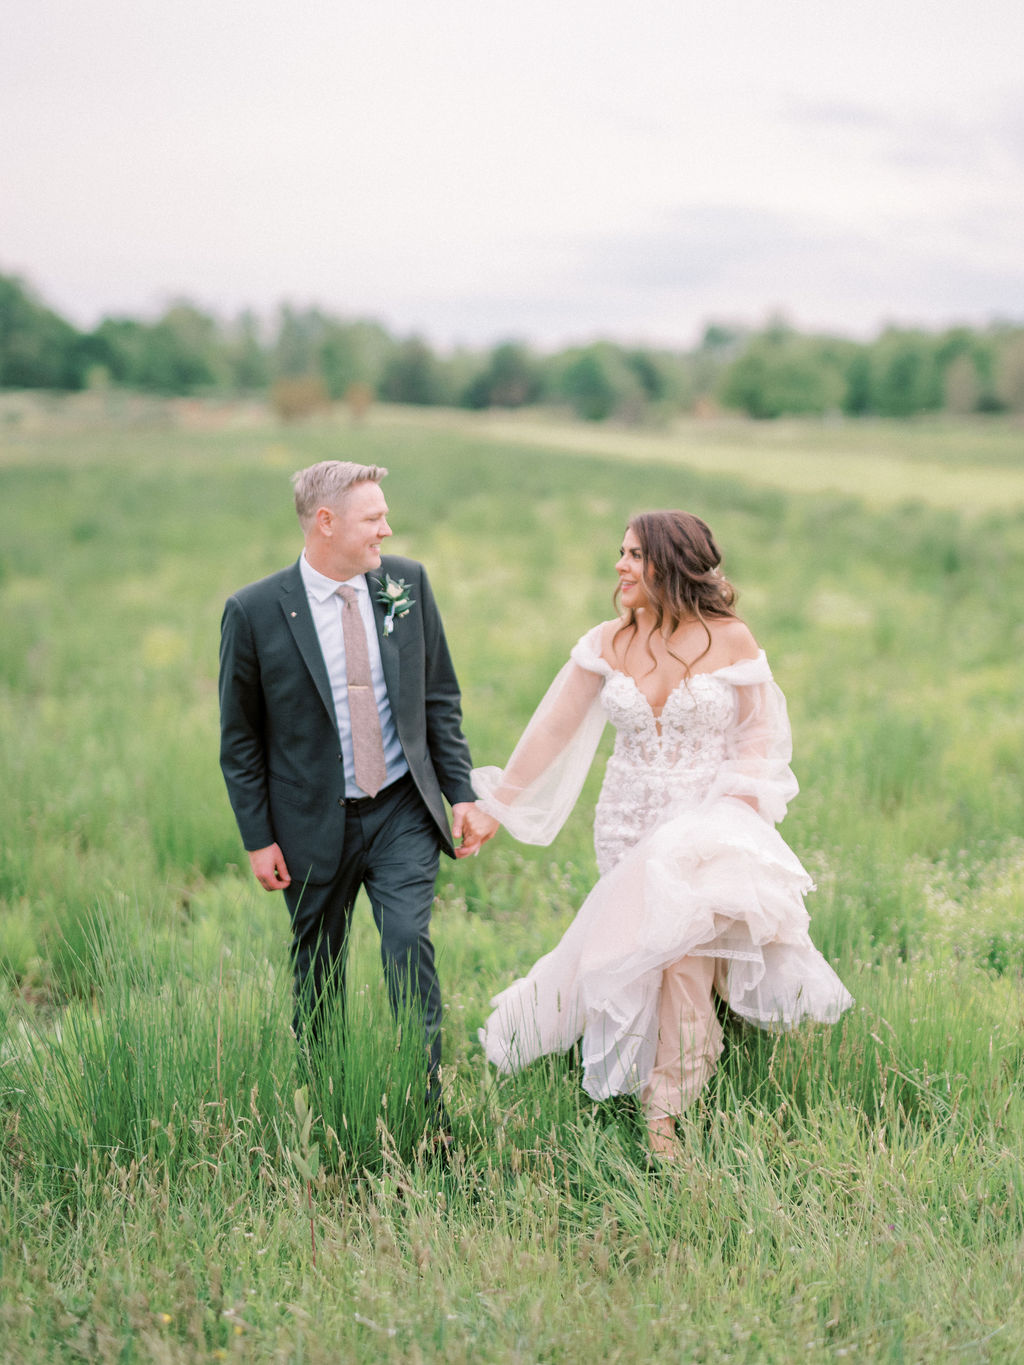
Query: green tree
point(857, 399)
point(119, 344)
point(781, 372)
point(597, 383)
point(190, 345)
point(352, 353)
point(182, 352)
point(906, 378)
point(719, 346)
point(312, 343)
point(297, 343)
point(960, 386)
point(38, 349)
point(966, 361)
point(511, 379)
point(1009, 369)
point(245, 354)
point(413, 375)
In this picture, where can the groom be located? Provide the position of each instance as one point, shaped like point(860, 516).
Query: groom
point(341, 731)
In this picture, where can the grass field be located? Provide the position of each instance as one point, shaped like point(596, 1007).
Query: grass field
point(169, 1190)
point(968, 465)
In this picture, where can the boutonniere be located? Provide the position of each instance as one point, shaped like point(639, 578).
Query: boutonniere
point(395, 596)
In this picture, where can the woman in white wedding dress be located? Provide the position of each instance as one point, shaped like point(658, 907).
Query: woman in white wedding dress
point(698, 894)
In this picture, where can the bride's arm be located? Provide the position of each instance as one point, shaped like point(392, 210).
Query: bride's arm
point(533, 795)
point(550, 731)
point(760, 747)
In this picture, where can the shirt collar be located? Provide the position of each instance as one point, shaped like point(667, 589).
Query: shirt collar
point(320, 587)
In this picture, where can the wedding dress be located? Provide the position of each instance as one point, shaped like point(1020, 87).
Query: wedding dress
point(689, 859)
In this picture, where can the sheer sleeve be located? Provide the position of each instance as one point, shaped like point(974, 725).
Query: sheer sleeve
point(760, 745)
point(534, 793)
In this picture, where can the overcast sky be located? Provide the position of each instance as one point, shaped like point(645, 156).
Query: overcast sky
point(556, 170)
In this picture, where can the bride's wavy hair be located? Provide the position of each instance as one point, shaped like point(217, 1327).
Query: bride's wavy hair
point(681, 575)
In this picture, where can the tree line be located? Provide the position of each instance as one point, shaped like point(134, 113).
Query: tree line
point(305, 358)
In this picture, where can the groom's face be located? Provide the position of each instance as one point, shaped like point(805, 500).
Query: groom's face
point(358, 525)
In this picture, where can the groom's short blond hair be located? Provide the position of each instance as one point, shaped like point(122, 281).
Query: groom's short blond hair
point(325, 484)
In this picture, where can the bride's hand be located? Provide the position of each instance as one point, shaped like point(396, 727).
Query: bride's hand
point(473, 827)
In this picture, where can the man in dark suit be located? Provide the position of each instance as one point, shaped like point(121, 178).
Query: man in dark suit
point(341, 733)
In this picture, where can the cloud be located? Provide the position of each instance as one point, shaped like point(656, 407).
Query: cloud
point(558, 173)
point(965, 140)
point(698, 246)
point(741, 262)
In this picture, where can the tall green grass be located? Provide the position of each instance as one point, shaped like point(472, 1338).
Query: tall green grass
point(178, 1183)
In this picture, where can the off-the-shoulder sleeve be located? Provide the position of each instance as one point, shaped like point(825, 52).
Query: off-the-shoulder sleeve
point(538, 787)
point(760, 745)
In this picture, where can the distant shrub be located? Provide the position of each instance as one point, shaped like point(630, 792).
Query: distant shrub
point(359, 397)
point(296, 396)
point(1010, 372)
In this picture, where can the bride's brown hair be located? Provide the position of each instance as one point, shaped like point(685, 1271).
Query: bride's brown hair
point(681, 577)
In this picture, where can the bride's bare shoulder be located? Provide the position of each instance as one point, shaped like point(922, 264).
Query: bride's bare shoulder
point(733, 638)
point(607, 632)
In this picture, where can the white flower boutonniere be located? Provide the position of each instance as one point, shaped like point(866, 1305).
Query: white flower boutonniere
point(395, 596)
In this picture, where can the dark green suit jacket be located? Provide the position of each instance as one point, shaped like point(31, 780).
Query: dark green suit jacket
point(280, 752)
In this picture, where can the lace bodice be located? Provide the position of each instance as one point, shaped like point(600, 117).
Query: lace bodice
point(659, 764)
point(720, 735)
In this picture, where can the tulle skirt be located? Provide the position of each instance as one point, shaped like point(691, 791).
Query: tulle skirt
point(716, 881)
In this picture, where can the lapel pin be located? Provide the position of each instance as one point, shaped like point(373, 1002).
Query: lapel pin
point(293, 613)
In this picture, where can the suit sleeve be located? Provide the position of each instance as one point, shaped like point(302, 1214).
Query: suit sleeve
point(449, 752)
point(242, 751)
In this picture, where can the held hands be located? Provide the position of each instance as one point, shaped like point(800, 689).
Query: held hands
point(471, 828)
point(269, 868)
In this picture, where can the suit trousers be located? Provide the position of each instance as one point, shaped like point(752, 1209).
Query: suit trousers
point(391, 849)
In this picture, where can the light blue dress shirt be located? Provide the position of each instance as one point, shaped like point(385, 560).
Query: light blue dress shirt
point(326, 605)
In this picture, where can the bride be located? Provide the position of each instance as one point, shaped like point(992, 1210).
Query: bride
point(698, 894)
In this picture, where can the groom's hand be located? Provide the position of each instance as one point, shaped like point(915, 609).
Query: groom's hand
point(471, 828)
point(269, 868)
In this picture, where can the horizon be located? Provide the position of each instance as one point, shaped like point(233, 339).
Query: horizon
point(743, 328)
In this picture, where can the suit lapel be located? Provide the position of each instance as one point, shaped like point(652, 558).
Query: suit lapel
point(295, 606)
point(388, 649)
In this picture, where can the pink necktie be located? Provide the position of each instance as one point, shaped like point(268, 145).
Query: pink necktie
point(367, 745)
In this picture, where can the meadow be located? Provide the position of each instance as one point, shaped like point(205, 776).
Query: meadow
point(173, 1188)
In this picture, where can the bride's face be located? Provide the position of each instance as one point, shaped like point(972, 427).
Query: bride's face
point(630, 569)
